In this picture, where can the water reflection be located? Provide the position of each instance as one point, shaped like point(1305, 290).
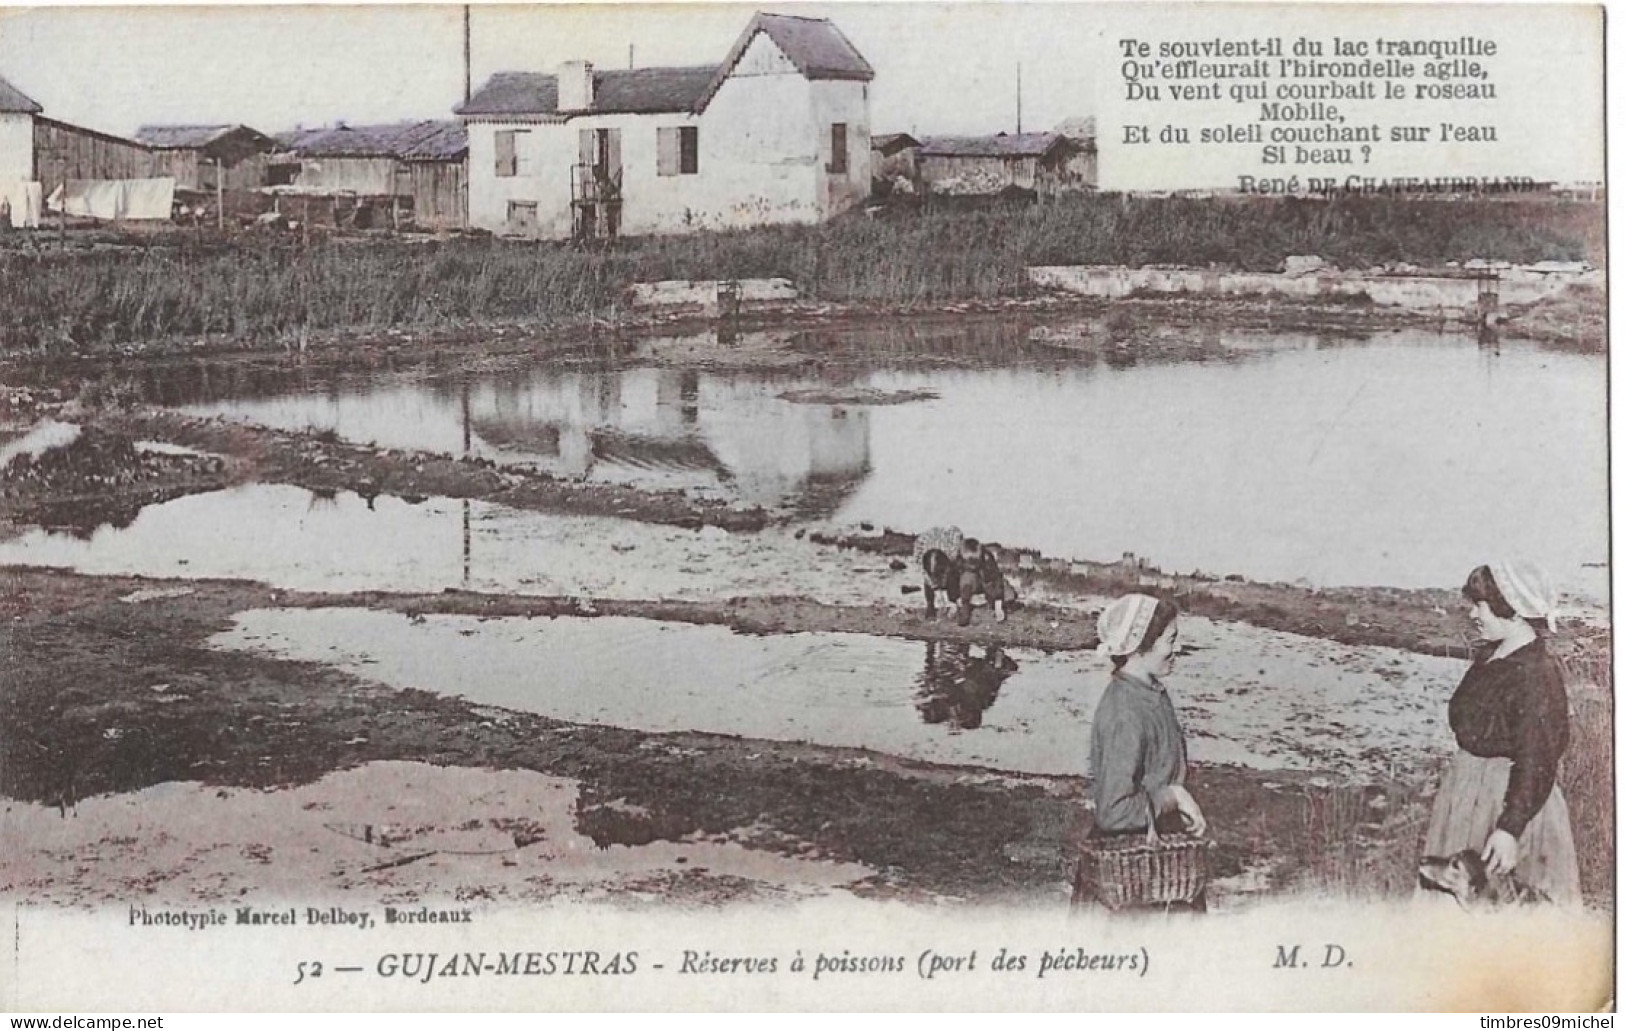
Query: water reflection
point(1401, 459)
point(957, 686)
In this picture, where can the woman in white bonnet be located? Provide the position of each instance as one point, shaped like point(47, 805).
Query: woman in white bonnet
point(1499, 796)
point(1137, 749)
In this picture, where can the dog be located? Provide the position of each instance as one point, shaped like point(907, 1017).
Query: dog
point(1465, 877)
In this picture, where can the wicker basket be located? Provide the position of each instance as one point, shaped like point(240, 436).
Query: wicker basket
point(1133, 871)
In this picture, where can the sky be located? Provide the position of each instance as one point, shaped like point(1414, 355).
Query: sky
point(940, 68)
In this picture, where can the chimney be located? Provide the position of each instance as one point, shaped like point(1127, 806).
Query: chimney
point(575, 86)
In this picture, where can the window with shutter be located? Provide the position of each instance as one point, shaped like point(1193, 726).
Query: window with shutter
point(837, 148)
point(507, 159)
point(689, 147)
point(666, 151)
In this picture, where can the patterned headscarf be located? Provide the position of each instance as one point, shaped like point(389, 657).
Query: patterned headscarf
point(1526, 588)
point(1122, 626)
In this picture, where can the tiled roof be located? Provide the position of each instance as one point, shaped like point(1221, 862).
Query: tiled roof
point(188, 137)
point(814, 45)
point(626, 91)
point(14, 101)
point(651, 90)
point(1027, 144)
point(410, 141)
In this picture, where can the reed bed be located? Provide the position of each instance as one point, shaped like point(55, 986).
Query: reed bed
point(105, 289)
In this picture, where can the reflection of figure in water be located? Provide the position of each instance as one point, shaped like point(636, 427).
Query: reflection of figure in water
point(956, 687)
point(688, 390)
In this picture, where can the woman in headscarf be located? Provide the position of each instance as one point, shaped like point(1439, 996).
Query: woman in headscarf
point(1499, 796)
point(1137, 749)
point(936, 553)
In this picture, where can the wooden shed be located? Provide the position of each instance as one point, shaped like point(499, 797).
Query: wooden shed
point(204, 157)
point(63, 152)
point(405, 170)
point(1037, 163)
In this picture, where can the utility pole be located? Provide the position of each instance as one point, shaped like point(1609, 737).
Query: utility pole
point(468, 71)
point(1018, 98)
point(631, 56)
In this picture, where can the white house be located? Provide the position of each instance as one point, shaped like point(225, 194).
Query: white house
point(777, 133)
point(17, 113)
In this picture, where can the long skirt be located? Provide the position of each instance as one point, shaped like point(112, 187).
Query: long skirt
point(1467, 808)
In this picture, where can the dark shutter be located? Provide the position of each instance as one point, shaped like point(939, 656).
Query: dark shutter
point(837, 148)
point(689, 147)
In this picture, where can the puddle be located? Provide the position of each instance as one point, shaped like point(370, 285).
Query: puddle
point(1404, 460)
point(47, 435)
point(1246, 697)
point(294, 538)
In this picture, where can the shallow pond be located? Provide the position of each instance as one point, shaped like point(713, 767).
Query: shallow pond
point(1402, 460)
point(291, 537)
point(1247, 697)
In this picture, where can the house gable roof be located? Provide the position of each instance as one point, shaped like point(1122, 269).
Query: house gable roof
point(15, 101)
point(623, 91)
point(814, 45)
point(513, 93)
point(1019, 145)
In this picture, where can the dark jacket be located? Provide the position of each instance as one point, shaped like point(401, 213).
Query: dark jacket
point(1515, 708)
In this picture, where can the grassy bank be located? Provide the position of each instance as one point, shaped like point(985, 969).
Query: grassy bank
point(67, 295)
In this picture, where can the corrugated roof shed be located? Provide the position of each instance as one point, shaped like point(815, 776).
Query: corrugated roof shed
point(1027, 144)
point(814, 45)
point(15, 101)
point(634, 91)
point(408, 141)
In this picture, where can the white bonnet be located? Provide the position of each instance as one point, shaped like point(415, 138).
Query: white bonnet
point(1122, 625)
point(1525, 587)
